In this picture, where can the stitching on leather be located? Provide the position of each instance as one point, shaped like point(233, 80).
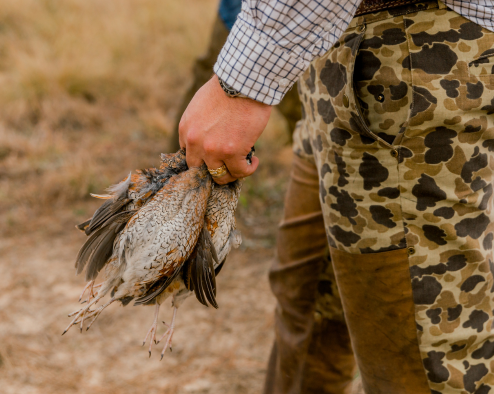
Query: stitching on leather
point(387, 4)
point(368, 8)
point(373, 19)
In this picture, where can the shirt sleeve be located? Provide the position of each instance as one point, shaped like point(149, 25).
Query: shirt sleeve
point(273, 42)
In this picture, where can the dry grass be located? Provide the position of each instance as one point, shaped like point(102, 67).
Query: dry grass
point(89, 92)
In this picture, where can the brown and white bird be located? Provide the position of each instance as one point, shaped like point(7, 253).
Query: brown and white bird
point(161, 233)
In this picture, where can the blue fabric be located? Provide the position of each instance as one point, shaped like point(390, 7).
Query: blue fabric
point(229, 9)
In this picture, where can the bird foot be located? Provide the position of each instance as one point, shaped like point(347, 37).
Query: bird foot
point(168, 343)
point(169, 334)
point(86, 313)
point(95, 313)
point(152, 331)
point(91, 287)
point(88, 285)
point(81, 314)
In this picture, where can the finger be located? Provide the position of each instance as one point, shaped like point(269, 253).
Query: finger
point(213, 164)
point(182, 134)
point(224, 179)
point(239, 167)
point(193, 156)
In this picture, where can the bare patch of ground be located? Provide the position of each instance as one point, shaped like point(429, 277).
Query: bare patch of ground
point(215, 351)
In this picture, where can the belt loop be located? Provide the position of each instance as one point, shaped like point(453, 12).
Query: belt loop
point(441, 5)
point(361, 25)
point(360, 21)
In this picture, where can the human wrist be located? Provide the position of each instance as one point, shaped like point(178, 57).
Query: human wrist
point(240, 100)
point(257, 68)
point(230, 91)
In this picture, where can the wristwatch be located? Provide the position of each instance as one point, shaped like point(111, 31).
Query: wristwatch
point(230, 92)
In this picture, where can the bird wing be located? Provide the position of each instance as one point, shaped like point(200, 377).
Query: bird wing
point(99, 246)
point(111, 217)
point(163, 234)
point(202, 272)
point(198, 272)
point(220, 217)
point(113, 205)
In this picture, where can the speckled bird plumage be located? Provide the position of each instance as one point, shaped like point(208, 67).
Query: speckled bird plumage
point(220, 218)
point(161, 232)
point(161, 235)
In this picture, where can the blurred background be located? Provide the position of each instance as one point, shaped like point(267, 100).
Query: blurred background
point(89, 90)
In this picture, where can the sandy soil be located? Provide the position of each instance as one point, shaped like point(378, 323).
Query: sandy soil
point(215, 351)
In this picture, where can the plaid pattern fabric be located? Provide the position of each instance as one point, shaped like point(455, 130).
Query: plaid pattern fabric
point(478, 11)
point(273, 41)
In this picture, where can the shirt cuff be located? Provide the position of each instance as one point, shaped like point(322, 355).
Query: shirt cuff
point(257, 68)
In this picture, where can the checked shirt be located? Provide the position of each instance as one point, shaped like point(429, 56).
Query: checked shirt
point(274, 41)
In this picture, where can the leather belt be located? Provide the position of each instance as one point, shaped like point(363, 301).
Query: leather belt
point(368, 6)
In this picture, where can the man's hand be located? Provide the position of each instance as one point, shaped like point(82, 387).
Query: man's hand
point(217, 129)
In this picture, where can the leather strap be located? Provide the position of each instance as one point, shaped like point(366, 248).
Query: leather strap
point(368, 6)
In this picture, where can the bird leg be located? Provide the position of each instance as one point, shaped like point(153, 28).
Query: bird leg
point(81, 313)
point(96, 313)
point(94, 287)
point(152, 331)
point(169, 334)
point(90, 285)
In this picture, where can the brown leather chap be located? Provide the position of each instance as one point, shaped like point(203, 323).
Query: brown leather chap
point(376, 293)
point(369, 6)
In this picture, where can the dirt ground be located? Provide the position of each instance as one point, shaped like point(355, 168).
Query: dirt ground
point(89, 92)
point(215, 351)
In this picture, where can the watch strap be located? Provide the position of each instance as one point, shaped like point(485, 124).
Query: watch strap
point(230, 91)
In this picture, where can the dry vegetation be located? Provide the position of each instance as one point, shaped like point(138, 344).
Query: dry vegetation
point(89, 90)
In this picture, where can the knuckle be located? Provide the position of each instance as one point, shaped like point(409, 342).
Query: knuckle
point(228, 149)
point(182, 128)
point(193, 137)
point(209, 148)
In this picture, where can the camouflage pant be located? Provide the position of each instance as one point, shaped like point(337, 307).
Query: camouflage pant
point(398, 120)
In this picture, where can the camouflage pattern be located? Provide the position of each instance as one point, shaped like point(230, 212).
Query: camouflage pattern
point(398, 117)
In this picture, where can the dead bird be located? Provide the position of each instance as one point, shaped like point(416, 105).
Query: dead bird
point(160, 233)
point(218, 236)
point(122, 202)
